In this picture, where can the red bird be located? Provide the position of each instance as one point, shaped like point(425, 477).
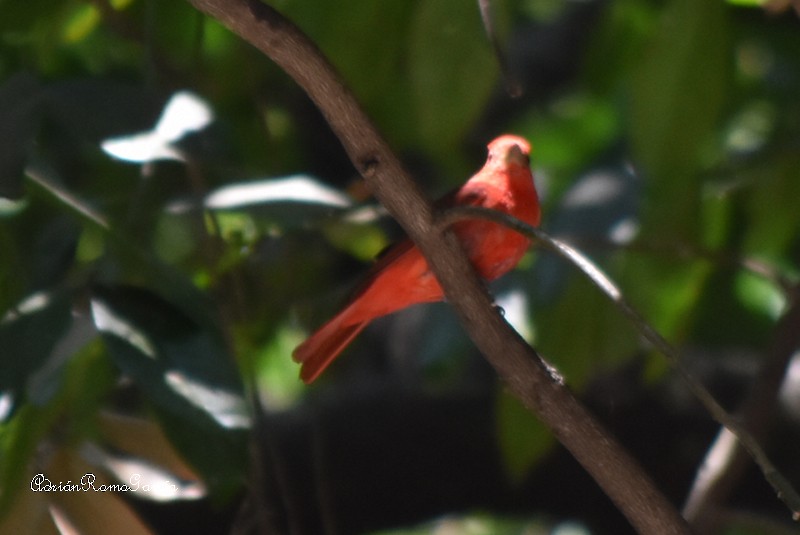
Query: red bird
point(401, 277)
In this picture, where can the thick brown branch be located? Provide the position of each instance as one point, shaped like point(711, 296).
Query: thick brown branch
point(735, 440)
point(519, 366)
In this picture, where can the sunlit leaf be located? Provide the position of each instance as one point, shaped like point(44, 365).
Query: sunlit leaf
point(273, 204)
point(88, 512)
point(276, 373)
point(141, 438)
point(82, 22)
point(482, 523)
point(750, 129)
point(363, 241)
point(186, 373)
point(748, 3)
point(28, 334)
point(10, 208)
point(760, 295)
point(184, 113)
point(297, 189)
point(149, 481)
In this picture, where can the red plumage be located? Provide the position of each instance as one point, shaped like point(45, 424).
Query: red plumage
point(401, 278)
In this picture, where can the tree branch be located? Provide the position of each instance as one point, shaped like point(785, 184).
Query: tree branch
point(526, 375)
point(786, 341)
point(726, 460)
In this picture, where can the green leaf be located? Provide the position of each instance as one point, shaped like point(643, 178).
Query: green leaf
point(19, 121)
point(771, 207)
point(375, 67)
point(28, 334)
point(575, 130)
point(582, 331)
point(664, 289)
point(523, 439)
point(18, 443)
point(363, 241)
point(71, 388)
point(678, 91)
point(186, 373)
point(279, 203)
point(83, 20)
point(276, 373)
point(452, 70)
point(748, 3)
point(760, 296)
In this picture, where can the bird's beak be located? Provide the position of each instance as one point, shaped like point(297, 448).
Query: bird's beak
point(516, 156)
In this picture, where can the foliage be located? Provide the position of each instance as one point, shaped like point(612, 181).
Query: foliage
point(159, 263)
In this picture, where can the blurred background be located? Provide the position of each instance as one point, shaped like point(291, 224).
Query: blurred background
point(176, 216)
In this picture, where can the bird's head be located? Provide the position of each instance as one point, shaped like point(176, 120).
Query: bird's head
point(509, 149)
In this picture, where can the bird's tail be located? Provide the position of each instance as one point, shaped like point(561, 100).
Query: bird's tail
point(319, 350)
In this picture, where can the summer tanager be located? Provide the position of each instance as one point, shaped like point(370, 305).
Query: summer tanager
point(401, 277)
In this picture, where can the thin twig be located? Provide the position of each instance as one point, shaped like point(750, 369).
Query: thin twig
point(725, 461)
point(513, 85)
point(40, 174)
point(759, 268)
point(780, 484)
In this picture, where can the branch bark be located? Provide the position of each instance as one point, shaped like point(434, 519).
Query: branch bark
point(524, 372)
point(736, 438)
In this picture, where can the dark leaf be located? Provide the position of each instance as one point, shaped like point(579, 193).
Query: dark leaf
point(187, 374)
point(20, 99)
point(28, 333)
